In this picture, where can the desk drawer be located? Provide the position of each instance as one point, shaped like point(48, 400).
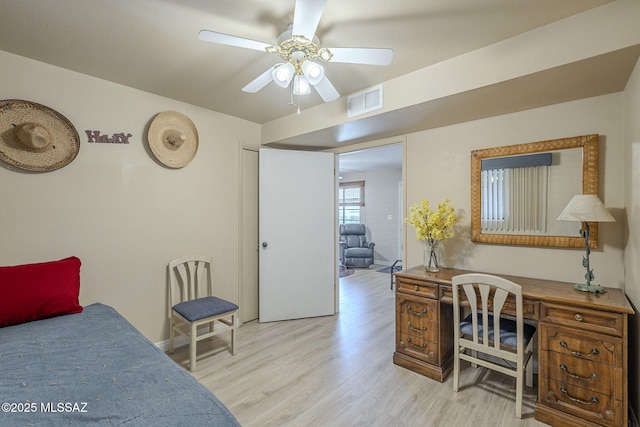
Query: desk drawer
point(576, 372)
point(417, 287)
point(417, 347)
point(418, 327)
point(597, 408)
point(416, 308)
point(581, 344)
point(583, 318)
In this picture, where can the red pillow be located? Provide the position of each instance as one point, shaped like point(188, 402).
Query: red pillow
point(37, 291)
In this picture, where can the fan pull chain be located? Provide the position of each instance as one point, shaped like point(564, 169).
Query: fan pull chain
point(291, 103)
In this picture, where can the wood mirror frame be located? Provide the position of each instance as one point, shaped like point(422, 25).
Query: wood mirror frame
point(589, 144)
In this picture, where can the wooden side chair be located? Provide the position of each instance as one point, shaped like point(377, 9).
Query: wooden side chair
point(192, 304)
point(486, 332)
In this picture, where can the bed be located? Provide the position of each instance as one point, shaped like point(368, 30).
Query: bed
point(94, 367)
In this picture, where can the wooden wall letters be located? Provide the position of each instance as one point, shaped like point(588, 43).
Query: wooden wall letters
point(116, 138)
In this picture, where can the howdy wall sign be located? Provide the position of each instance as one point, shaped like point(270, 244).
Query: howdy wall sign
point(116, 138)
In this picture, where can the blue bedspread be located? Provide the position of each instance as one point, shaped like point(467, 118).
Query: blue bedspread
point(96, 368)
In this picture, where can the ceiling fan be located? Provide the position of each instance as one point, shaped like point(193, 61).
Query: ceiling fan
point(299, 48)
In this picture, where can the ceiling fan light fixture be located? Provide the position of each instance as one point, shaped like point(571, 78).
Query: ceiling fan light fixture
point(302, 40)
point(301, 85)
point(313, 72)
point(299, 50)
point(282, 74)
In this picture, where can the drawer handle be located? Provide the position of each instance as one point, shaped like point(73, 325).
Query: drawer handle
point(594, 351)
point(415, 287)
point(416, 313)
point(417, 347)
point(593, 375)
point(578, 317)
point(424, 328)
point(573, 399)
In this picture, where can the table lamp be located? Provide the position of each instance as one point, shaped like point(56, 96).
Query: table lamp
point(586, 208)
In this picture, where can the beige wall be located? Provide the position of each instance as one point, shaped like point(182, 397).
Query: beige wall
point(437, 167)
point(632, 218)
point(381, 213)
point(123, 214)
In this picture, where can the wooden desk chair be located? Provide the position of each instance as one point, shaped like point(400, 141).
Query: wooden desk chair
point(190, 283)
point(504, 338)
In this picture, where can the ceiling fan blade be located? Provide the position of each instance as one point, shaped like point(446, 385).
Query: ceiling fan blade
point(362, 55)
point(326, 90)
point(259, 82)
point(220, 38)
point(306, 17)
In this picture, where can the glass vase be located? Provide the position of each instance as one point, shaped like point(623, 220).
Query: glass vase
point(431, 256)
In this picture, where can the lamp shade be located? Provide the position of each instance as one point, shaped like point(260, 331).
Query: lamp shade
point(586, 207)
point(300, 85)
point(282, 74)
point(313, 72)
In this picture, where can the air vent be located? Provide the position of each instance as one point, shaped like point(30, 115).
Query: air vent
point(364, 101)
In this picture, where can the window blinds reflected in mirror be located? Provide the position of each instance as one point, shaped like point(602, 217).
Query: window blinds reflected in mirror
point(515, 194)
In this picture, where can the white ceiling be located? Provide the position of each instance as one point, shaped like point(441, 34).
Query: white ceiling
point(363, 161)
point(152, 45)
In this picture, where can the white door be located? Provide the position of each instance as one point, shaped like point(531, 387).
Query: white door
point(297, 234)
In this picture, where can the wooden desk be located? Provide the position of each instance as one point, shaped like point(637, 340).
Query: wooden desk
point(582, 343)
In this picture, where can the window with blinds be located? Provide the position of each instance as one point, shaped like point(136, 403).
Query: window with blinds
point(350, 202)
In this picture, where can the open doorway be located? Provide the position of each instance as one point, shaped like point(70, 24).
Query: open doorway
point(379, 172)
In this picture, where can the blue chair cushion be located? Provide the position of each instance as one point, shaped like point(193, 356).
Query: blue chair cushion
point(358, 253)
point(203, 307)
point(508, 327)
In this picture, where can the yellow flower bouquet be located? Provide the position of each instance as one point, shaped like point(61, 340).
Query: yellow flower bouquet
point(432, 227)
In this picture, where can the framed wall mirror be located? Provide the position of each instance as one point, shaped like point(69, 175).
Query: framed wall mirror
point(518, 191)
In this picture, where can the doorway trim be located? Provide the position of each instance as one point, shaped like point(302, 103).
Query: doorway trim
point(241, 261)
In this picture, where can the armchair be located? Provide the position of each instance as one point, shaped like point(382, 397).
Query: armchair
point(355, 251)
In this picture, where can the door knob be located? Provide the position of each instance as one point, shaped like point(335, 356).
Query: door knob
point(264, 245)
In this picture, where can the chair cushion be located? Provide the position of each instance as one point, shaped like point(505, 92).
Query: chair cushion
point(358, 262)
point(351, 229)
point(358, 253)
point(353, 235)
point(508, 328)
point(353, 241)
point(203, 307)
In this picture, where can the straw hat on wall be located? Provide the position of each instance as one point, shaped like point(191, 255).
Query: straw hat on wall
point(173, 139)
point(35, 137)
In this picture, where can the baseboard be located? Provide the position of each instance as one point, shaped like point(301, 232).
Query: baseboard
point(181, 340)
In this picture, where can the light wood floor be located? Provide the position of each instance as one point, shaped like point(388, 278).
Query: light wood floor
point(338, 371)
